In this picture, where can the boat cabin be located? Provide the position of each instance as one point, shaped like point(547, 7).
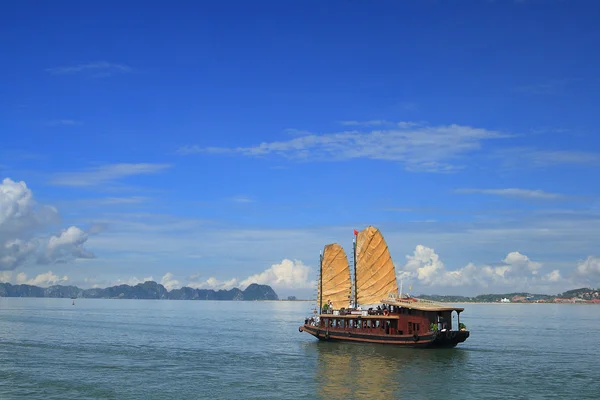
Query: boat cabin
point(397, 317)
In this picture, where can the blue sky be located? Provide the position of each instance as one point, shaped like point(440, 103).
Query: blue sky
point(215, 144)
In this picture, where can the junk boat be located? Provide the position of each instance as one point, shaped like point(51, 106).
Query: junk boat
point(377, 313)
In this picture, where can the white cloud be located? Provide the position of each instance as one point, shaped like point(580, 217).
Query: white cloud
point(214, 284)
point(588, 270)
point(131, 281)
point(520, 265)
point(514, 192)
point(541, 88)
point(194, 277)
point(553, 276)
point(42, 280)
point(242, 199)
point(68, 243)
point(380, 122)
point(424, 265)
point(522, 156)
point(5, 276)
point(113, 201)
point(430, 149)
point(97, 68)
point(288, 275)
point(63, 122)
point(195, 281)
point(16, 252)
point(105, 174)
point(18, 209)
point(516, 272)
point(169, 282)
point(22, 221)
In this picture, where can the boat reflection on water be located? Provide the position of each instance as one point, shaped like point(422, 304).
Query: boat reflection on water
point(351, 371)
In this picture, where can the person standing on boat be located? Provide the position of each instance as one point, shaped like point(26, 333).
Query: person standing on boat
point(330, 306)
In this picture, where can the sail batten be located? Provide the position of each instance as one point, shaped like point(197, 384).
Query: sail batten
point(335, 277)
point(375, 271)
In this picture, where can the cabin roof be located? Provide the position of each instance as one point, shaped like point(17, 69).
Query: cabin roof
point(419, 304)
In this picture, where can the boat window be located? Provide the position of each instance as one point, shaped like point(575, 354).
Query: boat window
point(369, 324)
point(377, 323)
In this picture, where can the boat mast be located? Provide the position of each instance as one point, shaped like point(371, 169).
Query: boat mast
point(321, 282)
point(354, 246)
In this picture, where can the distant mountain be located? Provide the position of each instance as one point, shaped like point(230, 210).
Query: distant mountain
point(146, 290)
point(582, 293)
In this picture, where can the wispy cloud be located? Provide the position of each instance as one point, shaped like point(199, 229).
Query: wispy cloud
point(63, 122)
point(550, 87)
point(106, 201)
point(96, 68)
point(122, 200)
point(430, 149)
point(376, 122)
point(106, 173)
point(519, 156)
point(242, 199)
point(514, 192)
point(381, 122)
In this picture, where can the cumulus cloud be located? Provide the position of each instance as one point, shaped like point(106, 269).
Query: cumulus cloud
point(553, 276)
point(215, 284)
point(16, 252)
point(18, 210)
point(5, 276)
point(169, 282)
point(67, 244)
point(516, 271)
point(131, 281)
point(288, 274)
point(22, 223)
point(588, 271)
point(43, 280)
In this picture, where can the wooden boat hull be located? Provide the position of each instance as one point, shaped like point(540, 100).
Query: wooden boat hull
point(446, 339)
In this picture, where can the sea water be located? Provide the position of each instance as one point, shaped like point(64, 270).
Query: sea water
point(161, 349)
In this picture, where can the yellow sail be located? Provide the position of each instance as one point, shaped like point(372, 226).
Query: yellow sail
point(375, 272)
point(336, 277)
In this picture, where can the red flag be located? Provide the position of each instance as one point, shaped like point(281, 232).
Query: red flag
point(355, 232)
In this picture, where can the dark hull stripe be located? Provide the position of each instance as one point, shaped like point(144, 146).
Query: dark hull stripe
point(430, 340)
